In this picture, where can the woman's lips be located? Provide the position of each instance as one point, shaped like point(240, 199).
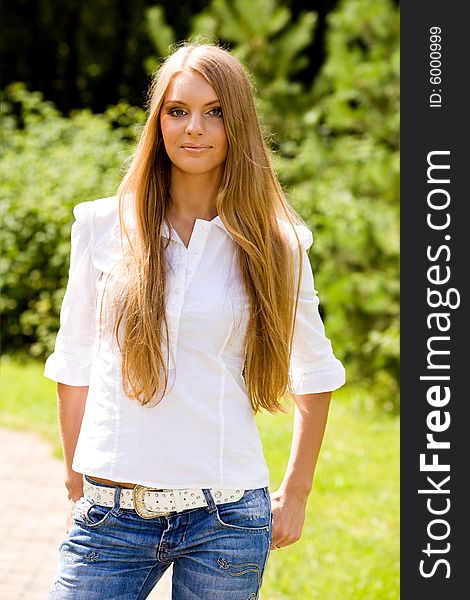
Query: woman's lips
point(195, 149)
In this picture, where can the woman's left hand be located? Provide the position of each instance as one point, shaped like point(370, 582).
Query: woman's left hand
point(288, 517)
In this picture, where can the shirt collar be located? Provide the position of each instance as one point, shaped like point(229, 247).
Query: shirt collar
point(216, 221)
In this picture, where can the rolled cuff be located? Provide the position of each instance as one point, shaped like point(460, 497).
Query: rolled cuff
point(66, 368)
point(324, 379)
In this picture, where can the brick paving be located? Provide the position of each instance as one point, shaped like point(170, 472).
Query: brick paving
point(32, 518)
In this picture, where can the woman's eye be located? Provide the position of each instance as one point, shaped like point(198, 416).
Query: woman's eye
point(177, 112)
point(216, 112)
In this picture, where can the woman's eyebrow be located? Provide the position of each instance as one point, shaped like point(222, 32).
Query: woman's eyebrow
point(176, 101)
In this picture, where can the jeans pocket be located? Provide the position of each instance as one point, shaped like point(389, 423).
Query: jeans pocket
point(87, 514)
point(252, 513)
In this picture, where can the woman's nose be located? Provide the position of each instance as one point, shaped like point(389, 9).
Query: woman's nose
point(194, 126)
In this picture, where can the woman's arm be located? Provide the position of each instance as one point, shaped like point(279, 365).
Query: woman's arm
point(71, 402)
point(290, 500)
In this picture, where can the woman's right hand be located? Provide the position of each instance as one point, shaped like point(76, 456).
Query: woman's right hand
point(74, 485)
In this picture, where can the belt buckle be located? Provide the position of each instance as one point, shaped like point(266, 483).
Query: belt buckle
point(138, 493)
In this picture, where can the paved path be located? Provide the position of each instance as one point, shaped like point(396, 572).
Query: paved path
point(32, 516)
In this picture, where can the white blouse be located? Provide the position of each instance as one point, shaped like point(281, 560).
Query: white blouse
point(203, 433)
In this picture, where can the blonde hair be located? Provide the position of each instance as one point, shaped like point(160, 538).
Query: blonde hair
point(250, 203)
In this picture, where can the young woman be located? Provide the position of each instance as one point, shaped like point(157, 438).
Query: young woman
point(190, 306)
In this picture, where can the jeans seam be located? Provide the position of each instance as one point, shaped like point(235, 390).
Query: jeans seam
point(268, 553)
point(162, 544)
point(144, 582)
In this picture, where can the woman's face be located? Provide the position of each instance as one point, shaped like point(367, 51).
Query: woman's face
point(193, 126)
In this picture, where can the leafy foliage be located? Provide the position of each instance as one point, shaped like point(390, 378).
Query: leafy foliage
point(346, 180)
point(49, 164)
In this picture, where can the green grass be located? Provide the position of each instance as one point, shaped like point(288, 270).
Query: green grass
point(28, 400)
point(350, 546)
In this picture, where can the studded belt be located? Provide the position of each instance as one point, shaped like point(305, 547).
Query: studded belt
point(150, 503)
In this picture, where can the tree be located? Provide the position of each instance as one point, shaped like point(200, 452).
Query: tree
point(345, 180)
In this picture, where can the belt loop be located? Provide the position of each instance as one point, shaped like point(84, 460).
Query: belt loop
point(117, 498)
point(211, 507)
point(178, 500)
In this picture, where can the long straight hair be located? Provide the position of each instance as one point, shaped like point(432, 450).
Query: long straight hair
point(252, 207)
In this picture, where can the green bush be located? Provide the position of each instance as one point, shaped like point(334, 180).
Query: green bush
point(343, 171)
point(49, 164)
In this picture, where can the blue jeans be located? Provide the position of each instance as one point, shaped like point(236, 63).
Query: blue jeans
point(217, 551)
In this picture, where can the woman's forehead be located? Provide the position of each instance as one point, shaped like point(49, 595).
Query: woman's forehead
point(190, 85)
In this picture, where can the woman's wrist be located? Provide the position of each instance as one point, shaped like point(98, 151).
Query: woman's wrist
point(297, 491)
point(74, 485)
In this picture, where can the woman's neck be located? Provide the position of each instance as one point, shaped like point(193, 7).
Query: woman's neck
point(193, 196)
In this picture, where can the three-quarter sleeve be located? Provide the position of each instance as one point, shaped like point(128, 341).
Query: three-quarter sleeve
point(70, 363)
point(314, 367)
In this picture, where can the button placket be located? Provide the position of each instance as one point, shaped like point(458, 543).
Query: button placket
point(196, 247)
point(181, 279)
point(176, 293)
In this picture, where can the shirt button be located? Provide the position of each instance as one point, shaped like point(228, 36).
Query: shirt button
point(203, 226)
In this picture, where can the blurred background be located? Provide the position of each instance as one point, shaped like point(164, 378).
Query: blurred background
point(326, 72)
